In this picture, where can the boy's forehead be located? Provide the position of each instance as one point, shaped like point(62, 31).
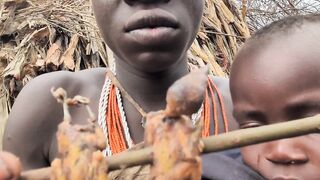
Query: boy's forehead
point(300, 48)
point(290, 60)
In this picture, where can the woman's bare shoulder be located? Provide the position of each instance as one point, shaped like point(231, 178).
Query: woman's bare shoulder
point(36, 114)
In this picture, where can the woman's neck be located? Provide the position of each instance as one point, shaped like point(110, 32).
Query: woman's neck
point(149, 89)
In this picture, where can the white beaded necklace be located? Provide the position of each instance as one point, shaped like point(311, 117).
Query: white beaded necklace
point(103, 106)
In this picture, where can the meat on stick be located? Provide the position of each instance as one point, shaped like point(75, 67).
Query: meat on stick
point(175, 140)
point(79, 145)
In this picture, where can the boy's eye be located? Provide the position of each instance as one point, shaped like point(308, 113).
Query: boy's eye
point(303, 110)
point(250, 124)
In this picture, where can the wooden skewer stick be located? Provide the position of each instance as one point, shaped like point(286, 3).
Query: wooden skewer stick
point(234, 139)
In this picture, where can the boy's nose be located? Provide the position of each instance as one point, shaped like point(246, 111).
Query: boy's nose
point(283, 152)
point(132, 2)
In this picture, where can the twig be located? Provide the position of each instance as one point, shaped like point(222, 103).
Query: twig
point(224, 34)
point(38, 174)
point(221, 142)
point(245, 137)
point(125, 93)
point(234, 139)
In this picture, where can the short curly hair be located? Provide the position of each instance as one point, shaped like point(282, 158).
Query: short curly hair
point(285, 25)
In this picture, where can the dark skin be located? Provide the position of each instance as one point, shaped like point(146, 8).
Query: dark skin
point(148, 61)
point(279, 82)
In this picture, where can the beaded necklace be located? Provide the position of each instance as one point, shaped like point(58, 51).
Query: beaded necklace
point(112, 118)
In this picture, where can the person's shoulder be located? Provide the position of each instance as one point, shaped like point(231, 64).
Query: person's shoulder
point(36, 114)
point(224, 165)
point(66, 78)
point(49, 79)
point(89, 73)
point(223, 91)
point(222, 83)
point(39, 89)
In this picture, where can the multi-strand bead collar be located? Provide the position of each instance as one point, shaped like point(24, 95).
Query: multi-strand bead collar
point(112, 118)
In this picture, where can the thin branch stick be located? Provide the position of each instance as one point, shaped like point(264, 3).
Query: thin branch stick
point(245, 137)
point(224, 34)
point(37, 174)
point(234, 139)
point(125, 93)
point(130, 159)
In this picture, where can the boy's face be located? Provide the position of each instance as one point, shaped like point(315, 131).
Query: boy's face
point(150, 35)
point(278, 83)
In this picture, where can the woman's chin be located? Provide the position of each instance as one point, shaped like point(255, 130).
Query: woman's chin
point(155, 62)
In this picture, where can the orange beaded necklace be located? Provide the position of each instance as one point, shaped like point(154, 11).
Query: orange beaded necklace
point(113, 122)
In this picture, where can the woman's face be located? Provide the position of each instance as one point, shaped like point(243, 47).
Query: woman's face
point(149, 34)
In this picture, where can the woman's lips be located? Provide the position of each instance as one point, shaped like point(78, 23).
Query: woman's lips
point(284, 178)
point(150, 19)
point(153, 36)
point(152, 27)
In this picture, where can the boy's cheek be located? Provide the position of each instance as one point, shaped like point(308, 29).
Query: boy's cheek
point(251, 155)
point(314, 138)
point(254, 157)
